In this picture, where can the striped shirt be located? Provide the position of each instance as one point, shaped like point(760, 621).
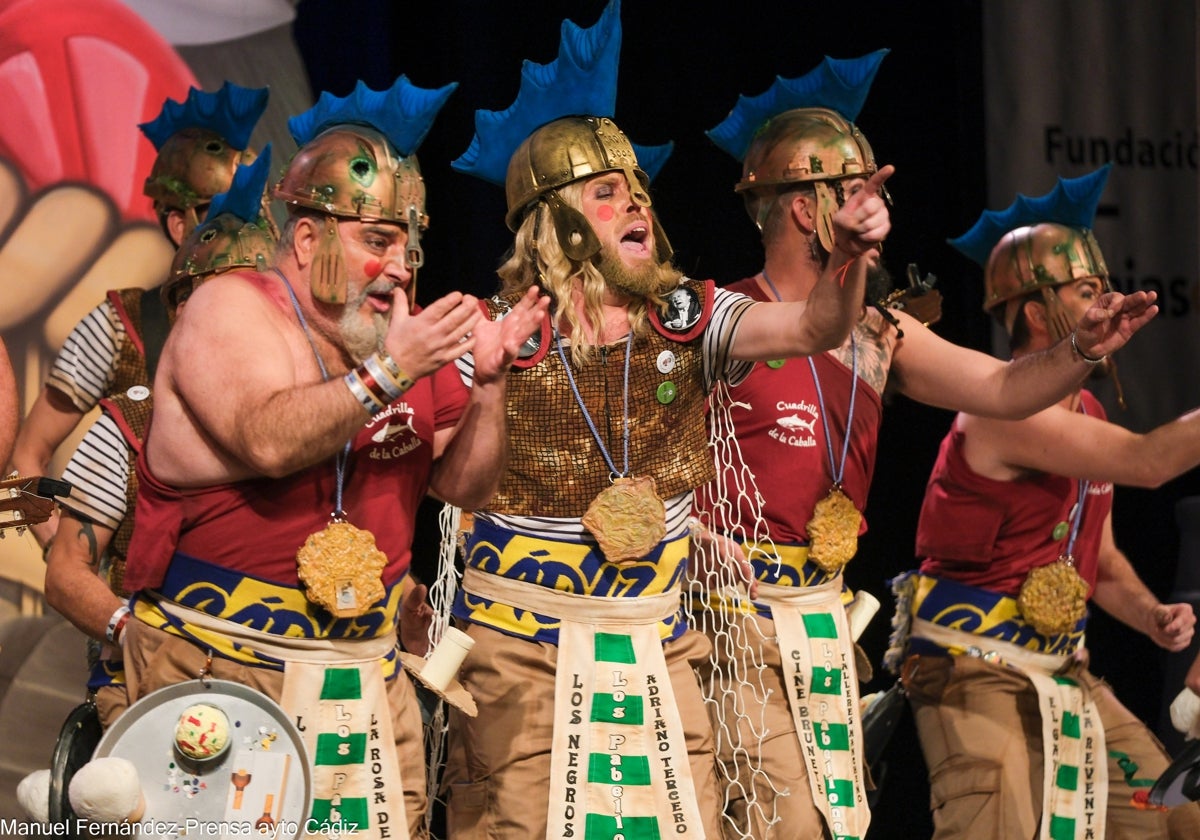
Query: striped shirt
point(85, 368)
point(728, 308)
point(98, 473)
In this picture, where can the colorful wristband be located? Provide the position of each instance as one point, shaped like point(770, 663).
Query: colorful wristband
point(403, 380)
point(383, 381)
point(366, 398)
point(116, 624)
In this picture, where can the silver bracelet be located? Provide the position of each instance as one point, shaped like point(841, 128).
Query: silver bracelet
point(1084, 356)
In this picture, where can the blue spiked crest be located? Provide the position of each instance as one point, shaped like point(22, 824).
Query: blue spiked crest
point(582, 80)
point(244, 198)
point(403, 113)
point(840, 85)
point(1072, 202)
point(231, 113)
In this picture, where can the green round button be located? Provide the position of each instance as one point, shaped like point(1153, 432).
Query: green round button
point(1060, 530)
point(775, 364)
point(666, 392)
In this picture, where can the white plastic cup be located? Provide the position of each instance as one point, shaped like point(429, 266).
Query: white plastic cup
point(860, 612)
point(443, 664)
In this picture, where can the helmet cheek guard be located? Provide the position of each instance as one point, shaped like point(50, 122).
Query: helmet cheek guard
point(564, 151)
point(352, 171)
point(816, 146)
point(575, 235)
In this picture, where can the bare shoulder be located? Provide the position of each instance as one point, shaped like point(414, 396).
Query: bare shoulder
point(235, 295)
point(231, 347)
point(227, 315)
point(1007, 449)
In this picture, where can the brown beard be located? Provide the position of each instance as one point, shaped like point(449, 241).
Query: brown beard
point(650, 280)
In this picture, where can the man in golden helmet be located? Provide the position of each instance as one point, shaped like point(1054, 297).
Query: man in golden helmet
point(98, 517)
point(115, 346)
point(807, 433)
point(1016, 529)
point(1035, 262)
point(303, 413)
point(235, 235)
point(354, 171)
point(573, 569)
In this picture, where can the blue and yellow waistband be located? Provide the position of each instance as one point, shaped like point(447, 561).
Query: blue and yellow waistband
point(566, 566)
point(261, 605)
point(778, 564)
point(984, 613)
point(106, 672)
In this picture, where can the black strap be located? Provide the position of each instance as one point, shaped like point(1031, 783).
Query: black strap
point(155, 326)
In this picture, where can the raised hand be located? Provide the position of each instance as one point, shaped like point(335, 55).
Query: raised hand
point(437, 335)
point(1112, 320)
point(497, 342)
point(863, 221)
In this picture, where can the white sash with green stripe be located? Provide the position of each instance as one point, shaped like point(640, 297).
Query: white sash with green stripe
point(1075, 781)
point(1075, 784)
point(816, 649)
point(619, 767)
point(348, 732)
point(619, 763)
point(334, 689)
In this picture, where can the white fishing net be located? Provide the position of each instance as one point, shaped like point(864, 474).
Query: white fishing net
point(442, 592)
point(733, 680)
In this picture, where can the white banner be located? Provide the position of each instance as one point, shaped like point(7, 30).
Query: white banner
point(1072, 85)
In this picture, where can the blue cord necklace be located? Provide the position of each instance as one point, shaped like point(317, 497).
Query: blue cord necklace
point(835, 521)
point(340, 566)
point(627, 518)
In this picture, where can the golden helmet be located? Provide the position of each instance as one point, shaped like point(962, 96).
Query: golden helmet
point(1040, 256)
point(807, 145)
point(352, 171)
point(222, 244)
point(566, 150)
point(192, 166)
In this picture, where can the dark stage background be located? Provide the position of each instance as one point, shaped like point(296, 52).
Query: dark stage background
point(682, 69)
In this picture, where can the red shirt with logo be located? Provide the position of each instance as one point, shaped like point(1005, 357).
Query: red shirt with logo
point(783, 441)
point(990, 534)
point(256, 526)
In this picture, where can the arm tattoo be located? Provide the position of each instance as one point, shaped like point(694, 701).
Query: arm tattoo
point(87, 535)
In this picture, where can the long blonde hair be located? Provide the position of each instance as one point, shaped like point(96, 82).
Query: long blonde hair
point(537, 258)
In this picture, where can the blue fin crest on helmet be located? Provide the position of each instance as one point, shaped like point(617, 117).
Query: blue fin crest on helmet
point(403, 113)
point(230, 112)
point(651, 158)
point(244, 196)
point(840, 84)
point(582, 80)
point(1072, 202)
